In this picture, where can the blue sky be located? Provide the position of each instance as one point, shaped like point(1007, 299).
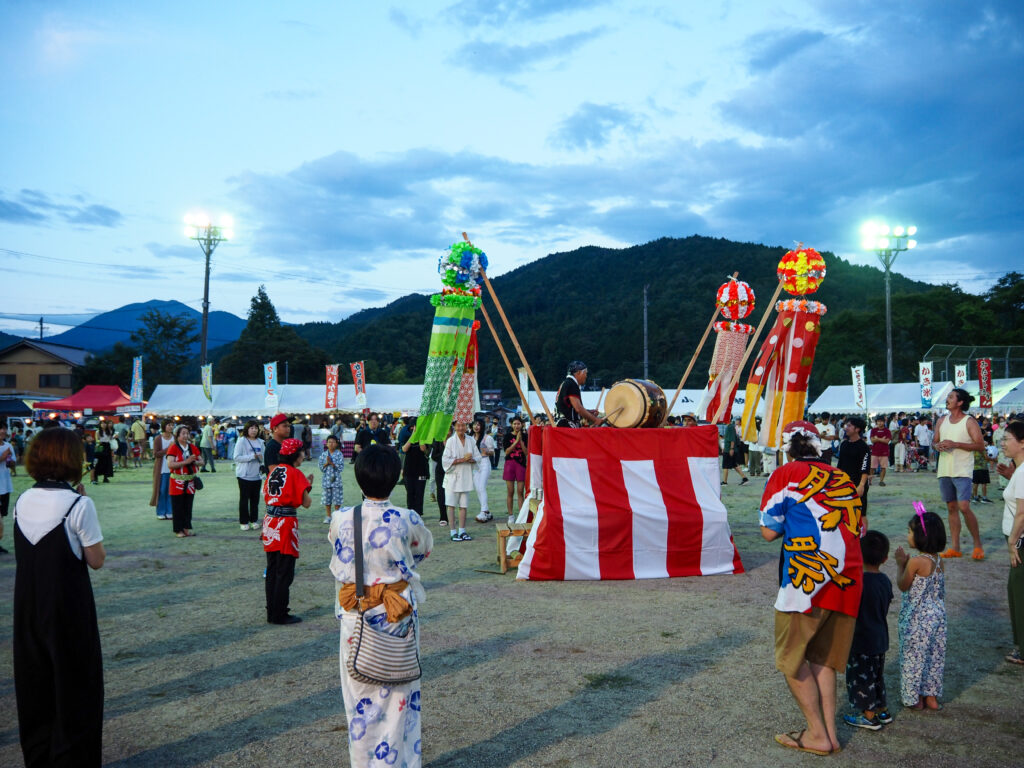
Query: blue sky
point(353, 141)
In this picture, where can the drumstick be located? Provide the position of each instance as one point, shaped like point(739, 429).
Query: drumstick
point(599, 399)
point(515, 341)
point(693, 359)
point(616, 412)
point(750, 348)
point(501, 348)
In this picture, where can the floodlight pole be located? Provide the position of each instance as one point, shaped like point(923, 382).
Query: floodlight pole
point(887, 257)
point(208, 237)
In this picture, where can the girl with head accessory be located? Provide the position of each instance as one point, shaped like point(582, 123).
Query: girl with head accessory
point(459, 458)
point(1013, 529)
point(248, 458)
point(58, 668)
point(514, 474)
point(332, 462)
point(922, 621)
point(184, 460)
point(482, 470)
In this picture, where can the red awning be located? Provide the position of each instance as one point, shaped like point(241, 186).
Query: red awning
point(97, 397)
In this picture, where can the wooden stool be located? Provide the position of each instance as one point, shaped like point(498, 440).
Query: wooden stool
point(517, 529)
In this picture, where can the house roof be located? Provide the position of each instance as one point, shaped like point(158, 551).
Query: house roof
point(72, 355)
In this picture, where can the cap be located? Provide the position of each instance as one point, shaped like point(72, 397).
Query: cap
point(277, 420)
point(290, 446)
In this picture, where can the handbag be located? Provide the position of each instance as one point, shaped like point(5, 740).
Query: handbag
point(197, 483)
point(376, 657)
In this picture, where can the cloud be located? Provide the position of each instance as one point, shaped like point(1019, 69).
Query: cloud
point(36, 207)
point(404, 21)
point(475, 13)
point(591, 126)
point(494, 58)
point(770, 49)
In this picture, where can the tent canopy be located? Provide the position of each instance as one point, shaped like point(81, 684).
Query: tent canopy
point(96, 397)
point(881, 398)
point(250, 399)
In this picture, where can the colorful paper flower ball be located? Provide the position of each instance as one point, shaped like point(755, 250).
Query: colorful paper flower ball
point(801, 271)
point(460, 267)
point(735, 299)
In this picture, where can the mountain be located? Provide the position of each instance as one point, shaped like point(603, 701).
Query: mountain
point(6, 339)
point(104, 330)
point(587, 304)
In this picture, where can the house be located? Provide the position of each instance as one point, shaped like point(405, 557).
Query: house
point(34, 368)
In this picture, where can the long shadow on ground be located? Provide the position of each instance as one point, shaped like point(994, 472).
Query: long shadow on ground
point(604, 703)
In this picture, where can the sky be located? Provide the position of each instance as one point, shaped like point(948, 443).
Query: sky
point(352, 142)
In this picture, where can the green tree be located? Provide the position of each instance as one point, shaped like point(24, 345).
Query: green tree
point(113, 366)
point(263, 340)
point(164, 341)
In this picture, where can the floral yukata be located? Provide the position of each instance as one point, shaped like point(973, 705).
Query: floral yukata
point(383, 722)
point(331, 465)
point(816, 509)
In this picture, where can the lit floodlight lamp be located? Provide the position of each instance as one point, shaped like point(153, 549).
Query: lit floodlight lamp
point(868, 244)
point(911, 231)
point(868, 229)
point(883, 229)
point(882, 244)
point(911, 244)
point(897, 231)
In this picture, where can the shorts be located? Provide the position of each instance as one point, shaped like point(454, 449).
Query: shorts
point(514, 471)
point(879, 461)
point(457, 499)
point(728, 460)
point(821, 637)
point(955, 488)
point(981, 477)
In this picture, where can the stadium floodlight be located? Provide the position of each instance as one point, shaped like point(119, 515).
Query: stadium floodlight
point(199, 228)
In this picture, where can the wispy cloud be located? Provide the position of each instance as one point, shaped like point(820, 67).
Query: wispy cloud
point(770, 49)
point(502, 59)
point(476, 13)
point(35, 207)
point(404, 21)
point(591, 126)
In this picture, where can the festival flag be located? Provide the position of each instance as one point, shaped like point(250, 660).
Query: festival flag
point(270, 378)
point(206, 372)
point(860, 395)
point(331, 396)
point(359, 380)
point(960, 376)
point(629, 504)
point(467, 403)
point(136, 392)
point(984, 382)
point(735, 300)
point(925, 377)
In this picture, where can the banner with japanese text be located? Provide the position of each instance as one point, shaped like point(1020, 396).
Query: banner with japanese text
point(331, 398)
point(270, 380)
point(860, 396)
point(925, 377)
point(960, 376)
point(136, 392)
point(985, 382)
point(359, 379)
point(207, 376)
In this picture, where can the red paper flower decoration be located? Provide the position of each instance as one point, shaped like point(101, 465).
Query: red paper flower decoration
point(735, 299)
point(801, 271)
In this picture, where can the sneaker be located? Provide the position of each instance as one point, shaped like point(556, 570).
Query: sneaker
point(1014, 657)
point(327, 519)
point(484, 517)
point(256, 526)
point(744, 481)
point(952, 553)
point(985, 500)
point(884, 717)
point(975, 499)
point(465, 537)
point(859, 721)
point(244, 526)
point(881, 483)
point(511, 521)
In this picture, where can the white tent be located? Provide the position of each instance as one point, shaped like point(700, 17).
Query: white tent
point(1001, 391)
point(1012, 401)
point(882, 398)
point(250, 400)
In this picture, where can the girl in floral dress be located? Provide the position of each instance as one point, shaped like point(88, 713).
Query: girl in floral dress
point(332, 462)
point(922, 622)
point(383, 722)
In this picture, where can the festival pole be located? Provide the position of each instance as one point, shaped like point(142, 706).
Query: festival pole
point(501, 348)
point(700, 346)
point(768, 309)
point(515, 341)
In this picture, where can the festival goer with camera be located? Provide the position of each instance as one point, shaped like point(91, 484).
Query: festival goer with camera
point(248, 458)
point(383, 721)
point(569, 408)
point(183, 458)
point(815, 510)
point(460, 457)
point(1013, 529)
point(482, 470)
point(514, 473)
point(58, 665)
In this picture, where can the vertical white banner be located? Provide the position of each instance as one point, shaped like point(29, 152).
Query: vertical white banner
point(860, 396)
point(960, 376)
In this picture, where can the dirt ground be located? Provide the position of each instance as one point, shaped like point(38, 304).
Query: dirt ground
point(674, 672)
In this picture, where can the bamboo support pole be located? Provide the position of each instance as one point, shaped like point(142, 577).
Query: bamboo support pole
point(515, 341)
point(511, 372)
point(746, 355)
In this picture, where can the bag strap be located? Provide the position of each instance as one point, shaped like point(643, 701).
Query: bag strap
point(357, 545)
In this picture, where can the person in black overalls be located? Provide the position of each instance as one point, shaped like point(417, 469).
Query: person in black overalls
point(58, 667)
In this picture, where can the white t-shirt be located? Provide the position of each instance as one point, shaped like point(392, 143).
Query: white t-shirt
point(7, 451)
point(923, 435)
point(1014, 490)
point(39, 510)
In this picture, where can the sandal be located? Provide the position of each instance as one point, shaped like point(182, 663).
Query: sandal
point(952, 553)
point(1014, 657)
point(181, 535)
point(797, 744)
point(978, 554)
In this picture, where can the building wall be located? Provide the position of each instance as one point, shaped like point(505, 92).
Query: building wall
point(27, 365)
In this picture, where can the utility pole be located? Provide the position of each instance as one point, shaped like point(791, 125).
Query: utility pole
point(40, 328)
point(645, 330)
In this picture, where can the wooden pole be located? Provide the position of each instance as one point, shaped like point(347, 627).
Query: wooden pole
point(512, 373)
point(515, 341)
point(750, 348)
point(599, 399)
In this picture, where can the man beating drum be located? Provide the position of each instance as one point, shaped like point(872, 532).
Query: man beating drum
point(568, 404)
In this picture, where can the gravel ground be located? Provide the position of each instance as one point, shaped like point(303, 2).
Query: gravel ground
point(674, 672)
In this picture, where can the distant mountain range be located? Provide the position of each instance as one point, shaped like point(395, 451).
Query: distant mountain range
point(103, 331)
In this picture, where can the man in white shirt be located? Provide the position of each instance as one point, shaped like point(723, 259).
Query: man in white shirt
point(923, 435)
